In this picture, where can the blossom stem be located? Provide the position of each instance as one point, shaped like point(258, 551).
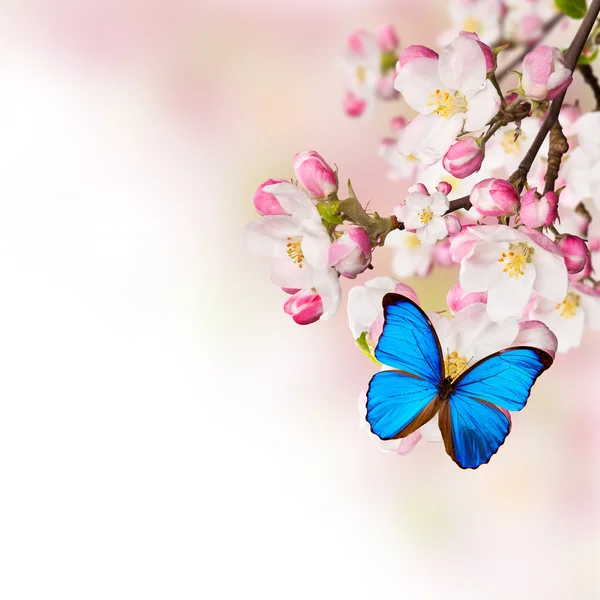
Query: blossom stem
point(591, 79)
point(572, 55)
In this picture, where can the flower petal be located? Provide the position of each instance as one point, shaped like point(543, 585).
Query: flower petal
point(266, 236)
point(509, 297)
point(417, 81)
point(462, 65)
point(483, 106)
point(293, 199)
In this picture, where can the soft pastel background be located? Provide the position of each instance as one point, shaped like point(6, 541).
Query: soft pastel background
point(165, 430)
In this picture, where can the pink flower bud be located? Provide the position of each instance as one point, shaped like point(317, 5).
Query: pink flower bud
point(490, 63)
point(315, 175)
point(413, 52)
point(544, 74)
point(574, 251)
point(387, 39)
point(356, 41)
point(463, 159)
point(351, 253)
point(536, 335)
point(266, 204)
point(442, 254)
point(443, 187)
point(495, 197)
point(398, 124)
point(353, 105)
point(453, 225)
point(457, 298)
point(538, 211)
point(418, 187)
point(585, 272)
point(304, 306)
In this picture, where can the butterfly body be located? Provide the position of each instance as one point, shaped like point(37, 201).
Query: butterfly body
point(472, 406)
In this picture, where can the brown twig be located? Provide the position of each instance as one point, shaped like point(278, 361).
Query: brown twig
point(590, 78)
point(559, 146)
point(571, 57)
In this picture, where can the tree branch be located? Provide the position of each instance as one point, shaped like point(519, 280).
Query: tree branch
point(559, 146)
point(591, 79)
point(571, 57)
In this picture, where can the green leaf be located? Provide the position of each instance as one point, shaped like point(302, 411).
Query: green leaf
point(365, 348)
point(329, 212)
point(576, 9)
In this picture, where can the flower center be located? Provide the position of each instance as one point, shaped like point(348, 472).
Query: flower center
point(568, 307)
point(412, 241)
point(361, 74)
point(447, 104)
point(472, 24)
point(510, 144)
point(294, 251)
point(517, 258)
point(454, 365)
point(426, 215)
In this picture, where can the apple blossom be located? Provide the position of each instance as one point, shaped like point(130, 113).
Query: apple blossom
point(567, 319)
point(451, 93)
point(424, 214)
point(545, 76)
point(536, 334)
point(575, 252)
point(315, 175)
point(464, 158)
point(350, 254)
point(298, 245)
point(483, 17)
point(538, 211)
point(305, 307)
point(510, 264)
point(495, 198)
point(411, 257)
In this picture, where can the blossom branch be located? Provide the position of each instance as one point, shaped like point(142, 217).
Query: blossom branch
point(571, 57)
point(559, 146)
point(591, 79)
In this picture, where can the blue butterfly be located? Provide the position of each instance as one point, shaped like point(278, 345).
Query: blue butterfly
point(472, 423)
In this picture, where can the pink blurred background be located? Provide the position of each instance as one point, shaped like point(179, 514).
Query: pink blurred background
point(166, 431)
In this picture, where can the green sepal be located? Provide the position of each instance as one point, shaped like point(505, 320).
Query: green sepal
point(329, 212)
point(365, 348)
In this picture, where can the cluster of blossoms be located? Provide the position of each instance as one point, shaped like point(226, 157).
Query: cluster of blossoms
point(502, 186)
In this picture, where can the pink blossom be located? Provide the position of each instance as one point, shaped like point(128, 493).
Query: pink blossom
point(413, 52)
point(304, 306)
point(537, 210)
point(536, 334)
point(315, 175)
point(442, 255)
point(443, 187)
point(356, 41)
point(351, 253)
point(266, 203)
point(544, 74)
point(495, 197)
point(463, 159)
point(387, 39)
point(574, 251)
point(457, 298)
point(353, 105)
point(462, 243)
point(490, 61)
point(453, 225)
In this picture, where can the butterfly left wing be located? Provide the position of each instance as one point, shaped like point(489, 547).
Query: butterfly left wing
point(474, 422)
point(400, 401)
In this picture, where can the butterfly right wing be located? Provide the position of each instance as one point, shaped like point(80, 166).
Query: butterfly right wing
point(400, 401)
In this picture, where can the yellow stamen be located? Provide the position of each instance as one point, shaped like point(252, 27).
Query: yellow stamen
point(510, 144)
point(515, 261)
point(568, 307)
point(294, 251)
point(426, 215)
point(472, 24)
point(361, 74)
point(454, 365)
point(446, 104)
point(411, 241)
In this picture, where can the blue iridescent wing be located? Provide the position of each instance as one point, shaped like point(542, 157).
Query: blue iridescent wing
point(400, 401)
point(409, 342)
point(474, 422)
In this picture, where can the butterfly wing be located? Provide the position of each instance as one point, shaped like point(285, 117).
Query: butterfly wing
point(474, 421)
point(400, 401)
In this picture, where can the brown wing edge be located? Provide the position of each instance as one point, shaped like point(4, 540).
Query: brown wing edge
point(423, 417)
point(392, 298)
point(445, 424)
